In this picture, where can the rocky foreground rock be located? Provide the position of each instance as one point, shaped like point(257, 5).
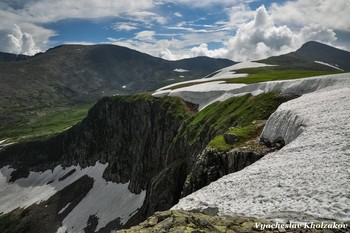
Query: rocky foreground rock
point(172, 221)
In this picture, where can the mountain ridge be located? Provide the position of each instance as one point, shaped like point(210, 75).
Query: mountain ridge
point(70, 75)
point(308, 54)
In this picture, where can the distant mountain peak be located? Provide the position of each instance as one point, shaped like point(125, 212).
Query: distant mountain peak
point(313, 55)
point(311, 45)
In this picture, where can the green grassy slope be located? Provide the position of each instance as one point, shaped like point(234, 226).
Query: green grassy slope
point(44, 126)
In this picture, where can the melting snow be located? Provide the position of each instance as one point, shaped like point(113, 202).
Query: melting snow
point(309, 178)
point(106, 200)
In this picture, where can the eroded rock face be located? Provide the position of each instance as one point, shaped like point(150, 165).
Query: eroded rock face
point(133, 134)
point(154, 144)
point(211, 164)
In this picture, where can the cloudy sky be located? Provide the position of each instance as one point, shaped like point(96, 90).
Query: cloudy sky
point(234, 29)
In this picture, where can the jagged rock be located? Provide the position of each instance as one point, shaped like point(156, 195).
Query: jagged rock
point(277, 144)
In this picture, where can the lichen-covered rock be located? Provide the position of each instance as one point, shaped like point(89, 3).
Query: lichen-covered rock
point(174, 221)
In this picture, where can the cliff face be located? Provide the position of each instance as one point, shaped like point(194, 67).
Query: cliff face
point(132, 134)
point(150, 143)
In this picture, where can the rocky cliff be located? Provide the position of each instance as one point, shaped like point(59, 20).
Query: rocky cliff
point(150, 144)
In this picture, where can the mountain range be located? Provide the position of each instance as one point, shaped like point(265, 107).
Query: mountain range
point(71, 75)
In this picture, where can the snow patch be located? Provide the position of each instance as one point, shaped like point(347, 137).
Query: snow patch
point(308, 179)
point(64, 208)
point(166, 90)
point(227, 72)
point(208, 93)
point(106, 200)
point(180, 70)
point(326, 64)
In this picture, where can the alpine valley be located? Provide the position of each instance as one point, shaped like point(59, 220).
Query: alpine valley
point(195, 145)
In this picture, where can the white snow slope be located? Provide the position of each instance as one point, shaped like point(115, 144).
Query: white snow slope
point(309, 178)
point(207, 93)
point(227, 72)
point(106, 200)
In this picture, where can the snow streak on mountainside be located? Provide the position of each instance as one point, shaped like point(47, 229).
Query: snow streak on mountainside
point(106, 200)
point(207, 93)
point(309, 178)
point(228, 72)
point(326, 64)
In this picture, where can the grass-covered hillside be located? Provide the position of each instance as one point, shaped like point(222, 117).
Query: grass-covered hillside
point(46, 125)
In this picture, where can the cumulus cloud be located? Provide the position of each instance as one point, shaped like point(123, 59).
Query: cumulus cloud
point(18, 42)
point(260, 38)
point(330, 14)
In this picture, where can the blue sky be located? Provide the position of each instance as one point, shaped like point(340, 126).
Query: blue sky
point(238, 30)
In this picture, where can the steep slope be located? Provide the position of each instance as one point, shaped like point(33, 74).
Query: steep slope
point(73, 74)
point(139, 147)
point(97, 148)
point(309, 56)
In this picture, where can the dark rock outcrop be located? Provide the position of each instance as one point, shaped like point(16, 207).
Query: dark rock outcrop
point(136, 135)
point(211, 165)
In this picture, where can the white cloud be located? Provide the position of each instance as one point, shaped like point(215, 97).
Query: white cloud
point(318, 33)
point(178, 14)
point(239, 14)
point(202, 50)
point(202, 3)
point(43, 11)
point(261, 38)
point(18, 42)
point(189, 29)
point(30, 14)
point(146, 17)
point(145, 35)
point(330, 14)
point(127, 26)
